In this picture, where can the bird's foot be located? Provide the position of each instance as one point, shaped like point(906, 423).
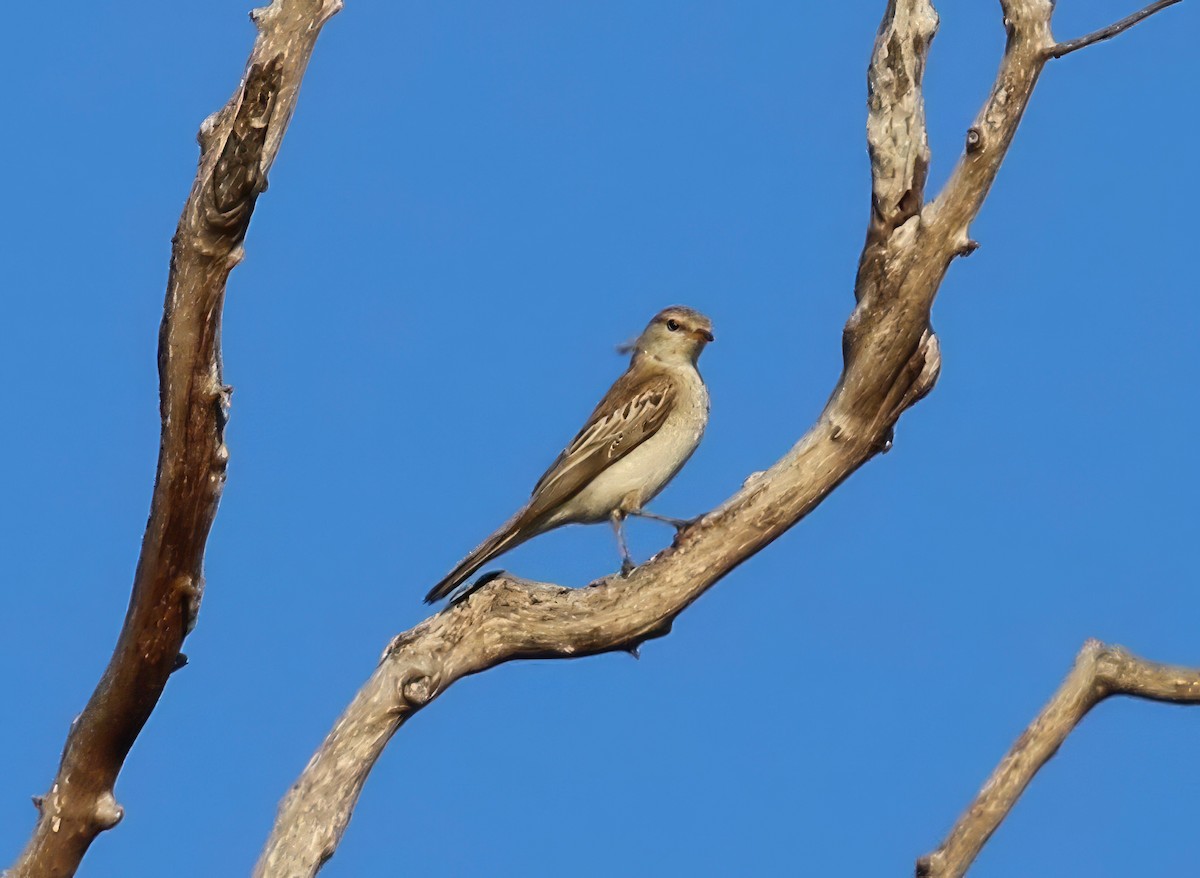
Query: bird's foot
point(682, 524)
point(627, 566)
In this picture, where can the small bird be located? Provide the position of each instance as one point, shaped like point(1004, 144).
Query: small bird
point(635, 441)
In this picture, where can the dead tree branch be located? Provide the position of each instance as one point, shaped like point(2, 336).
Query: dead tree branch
point(1100, 671)
point(1107, 33)
point(891, 361)
point(238, 145)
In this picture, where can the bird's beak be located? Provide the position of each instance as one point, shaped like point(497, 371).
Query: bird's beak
point(702, 334)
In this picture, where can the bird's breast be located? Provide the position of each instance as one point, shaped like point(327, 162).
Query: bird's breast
point(637, 478)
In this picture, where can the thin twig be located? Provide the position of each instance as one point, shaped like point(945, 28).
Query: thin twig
point(1099, 672)
point(1107, 33)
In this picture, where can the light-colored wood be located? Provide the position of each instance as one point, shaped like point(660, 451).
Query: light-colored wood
point(891, 361)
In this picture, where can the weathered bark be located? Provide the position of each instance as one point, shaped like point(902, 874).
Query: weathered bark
point(238, 145)
point(1100, 671)
point(891, 361)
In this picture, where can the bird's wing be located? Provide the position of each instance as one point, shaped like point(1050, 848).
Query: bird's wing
point(630, 413)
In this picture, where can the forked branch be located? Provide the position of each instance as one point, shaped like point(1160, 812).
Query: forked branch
point(1100, 671)
point(238, 146)
point(1107, 33)
point(891, 361)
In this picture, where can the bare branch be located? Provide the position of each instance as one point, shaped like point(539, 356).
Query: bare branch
point(238, 146)
point(509, 618)
point(896, 136)
point(987, 141)
point(1107, 33)
point(891, 358)
point(1100, 671)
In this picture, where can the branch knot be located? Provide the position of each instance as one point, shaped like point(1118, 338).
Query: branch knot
point(974, 139)
point(108, 812)
point(418, 689)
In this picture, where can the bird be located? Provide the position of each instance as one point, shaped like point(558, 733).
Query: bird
point(634, 442)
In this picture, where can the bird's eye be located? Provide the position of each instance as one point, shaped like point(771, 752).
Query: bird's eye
point(672, 325)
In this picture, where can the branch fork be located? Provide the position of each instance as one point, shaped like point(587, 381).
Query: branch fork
point(1100, 672)
point(892, 360)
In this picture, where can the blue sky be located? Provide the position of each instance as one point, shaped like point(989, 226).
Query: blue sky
point(474, 203)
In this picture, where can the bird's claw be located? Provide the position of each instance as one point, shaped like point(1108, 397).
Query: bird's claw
point(682, 524)
point(627, 566)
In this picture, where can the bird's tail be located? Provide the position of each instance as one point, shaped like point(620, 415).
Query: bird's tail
point(510, 535)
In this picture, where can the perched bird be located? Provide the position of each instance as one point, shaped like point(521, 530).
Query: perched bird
point(636, 440)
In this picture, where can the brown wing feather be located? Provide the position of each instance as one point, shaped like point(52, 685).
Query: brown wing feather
point(612, 431)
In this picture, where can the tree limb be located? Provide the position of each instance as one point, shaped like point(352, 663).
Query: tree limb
point(1100, 671)
point(1107, 33)
point(238, 145)
point(891, 360)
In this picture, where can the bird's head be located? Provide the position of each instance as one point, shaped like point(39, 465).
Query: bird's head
point(676, 334)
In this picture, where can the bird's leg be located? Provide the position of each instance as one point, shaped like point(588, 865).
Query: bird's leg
point(617, 517)
point(677, 523)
